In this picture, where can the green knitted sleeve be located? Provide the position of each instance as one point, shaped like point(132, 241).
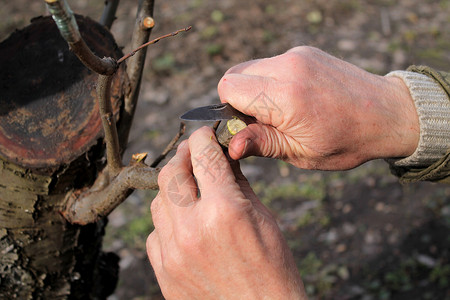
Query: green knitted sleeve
point(431, 161)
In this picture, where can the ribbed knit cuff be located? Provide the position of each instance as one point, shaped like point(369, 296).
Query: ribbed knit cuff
point(433, 108)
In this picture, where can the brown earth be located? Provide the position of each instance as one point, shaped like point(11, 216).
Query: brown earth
point(357, 234)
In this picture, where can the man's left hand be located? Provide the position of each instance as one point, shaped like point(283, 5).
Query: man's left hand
point(213, 238)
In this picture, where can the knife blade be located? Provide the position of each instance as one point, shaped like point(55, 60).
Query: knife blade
point(213, 112)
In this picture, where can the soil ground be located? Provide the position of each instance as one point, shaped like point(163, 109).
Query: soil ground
point(357, 234)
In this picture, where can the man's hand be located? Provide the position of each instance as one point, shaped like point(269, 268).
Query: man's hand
point(318, 112)
point(223, 244)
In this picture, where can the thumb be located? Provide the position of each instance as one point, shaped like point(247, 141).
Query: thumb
point(258, 140)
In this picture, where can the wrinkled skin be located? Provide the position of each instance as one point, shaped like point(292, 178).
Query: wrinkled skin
point(213, 238)
point(222, 245)
point(318, 112)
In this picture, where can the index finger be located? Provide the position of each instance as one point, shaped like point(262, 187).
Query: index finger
point(243, 91)
point(210, 166)
point(258, 96)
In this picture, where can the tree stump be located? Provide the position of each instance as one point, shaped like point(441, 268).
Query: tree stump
point(50, 146)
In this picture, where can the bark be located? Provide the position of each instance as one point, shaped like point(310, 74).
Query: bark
point(141, 35)
point(51, 147)
point(42, 255)
point(228, 130)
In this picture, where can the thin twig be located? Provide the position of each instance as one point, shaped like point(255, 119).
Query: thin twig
point(152, 42)
point(170, 146)
point(109, 13)
point(135, 67)
point(113, 156)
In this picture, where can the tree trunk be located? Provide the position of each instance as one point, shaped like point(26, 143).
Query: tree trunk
point(51, 146)
point(42, 255)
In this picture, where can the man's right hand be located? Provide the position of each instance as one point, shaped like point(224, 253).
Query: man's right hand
point(318, 112)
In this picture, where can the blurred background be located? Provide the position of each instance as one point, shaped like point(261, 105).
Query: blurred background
point(357, 234)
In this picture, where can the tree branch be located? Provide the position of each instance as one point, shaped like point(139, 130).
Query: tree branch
point(154, 41)
point(115, 183)
point(128, 115)
point(67, 25)
point(113, 156)
point(170, 146)
point(109, 13)
point(102, 198)
point(141, 34)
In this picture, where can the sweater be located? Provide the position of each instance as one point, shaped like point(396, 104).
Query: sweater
point(430, 91)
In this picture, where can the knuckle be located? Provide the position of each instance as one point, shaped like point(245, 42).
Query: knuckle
point(161, 182)
point(165, 175)
point(155, 210)
point(188, 247)
point(303, 50)
point(226, 214)
point(154, 206)
point(298, 59)
point(221, 85)
point(174, 263)
point(301, 57)
point(273, 144)
point(189, 242)
point(229, 216)
point(225, 86)
point(234, 69)
point(296, 49)
point(151, 242)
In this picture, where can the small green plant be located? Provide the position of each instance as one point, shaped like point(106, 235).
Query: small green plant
point(314, 17)
point(268, 36)
point(441, 275)
point(398, 280)
point(309, 265)
point(214, 49)
point(270, 9)
point(318, 277)
point(135, 233)
point(152, 133)
point(164, 63)
point(217, 16)
point(137, 224)
point(311, 188)
point(209, 32)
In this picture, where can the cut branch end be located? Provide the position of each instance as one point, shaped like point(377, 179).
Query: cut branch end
point(148, 23)
point(230, 129)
